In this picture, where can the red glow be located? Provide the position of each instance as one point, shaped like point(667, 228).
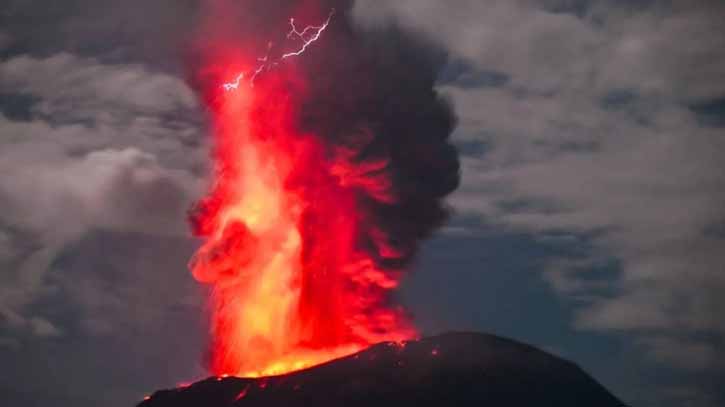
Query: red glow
point(292, 287)
point(241, 394)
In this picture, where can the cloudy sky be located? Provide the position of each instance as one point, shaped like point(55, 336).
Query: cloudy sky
point(589, 221)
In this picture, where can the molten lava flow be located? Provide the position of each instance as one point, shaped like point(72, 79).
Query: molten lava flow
point(292, 284)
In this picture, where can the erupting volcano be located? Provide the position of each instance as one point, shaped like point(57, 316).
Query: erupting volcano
point(331, 158)
point(331, 161)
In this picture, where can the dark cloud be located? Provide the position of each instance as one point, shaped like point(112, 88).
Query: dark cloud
point(114, 31)
point(390, 113)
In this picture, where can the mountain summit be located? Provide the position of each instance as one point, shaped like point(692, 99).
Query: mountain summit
point(453, 369)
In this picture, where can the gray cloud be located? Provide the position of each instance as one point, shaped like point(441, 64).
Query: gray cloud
point(103, 147)
point(592, 134)
point(657, 50)
point(102, 152)
point(131, 320)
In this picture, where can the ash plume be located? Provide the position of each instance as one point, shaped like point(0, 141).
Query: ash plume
point(347, 141)
point(370, 96)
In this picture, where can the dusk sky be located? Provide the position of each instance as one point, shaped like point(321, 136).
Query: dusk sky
point(589, 220)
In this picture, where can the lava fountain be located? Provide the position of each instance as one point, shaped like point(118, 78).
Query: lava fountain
point(318, 202)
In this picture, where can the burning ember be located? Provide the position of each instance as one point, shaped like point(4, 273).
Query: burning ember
point(308, 228)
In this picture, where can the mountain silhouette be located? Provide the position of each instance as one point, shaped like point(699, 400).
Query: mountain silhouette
point(453, 369)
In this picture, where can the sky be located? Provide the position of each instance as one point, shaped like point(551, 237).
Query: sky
point(588, 222)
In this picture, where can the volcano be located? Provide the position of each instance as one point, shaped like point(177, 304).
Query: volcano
point(454, 369)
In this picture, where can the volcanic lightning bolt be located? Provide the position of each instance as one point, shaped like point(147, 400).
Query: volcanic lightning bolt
point(235, 84)
point(306, 229)
point(303, 36)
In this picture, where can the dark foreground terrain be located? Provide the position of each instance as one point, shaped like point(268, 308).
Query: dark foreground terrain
point(455, 369)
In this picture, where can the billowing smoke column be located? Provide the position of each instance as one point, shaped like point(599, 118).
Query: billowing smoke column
point(331, 159)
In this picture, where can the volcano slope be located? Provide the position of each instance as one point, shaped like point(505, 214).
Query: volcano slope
point(454, 369)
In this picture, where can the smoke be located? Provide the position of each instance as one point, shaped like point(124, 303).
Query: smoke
point(371, 96)
point(349, 148)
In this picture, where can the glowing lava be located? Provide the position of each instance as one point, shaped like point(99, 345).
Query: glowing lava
point(292, 284)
